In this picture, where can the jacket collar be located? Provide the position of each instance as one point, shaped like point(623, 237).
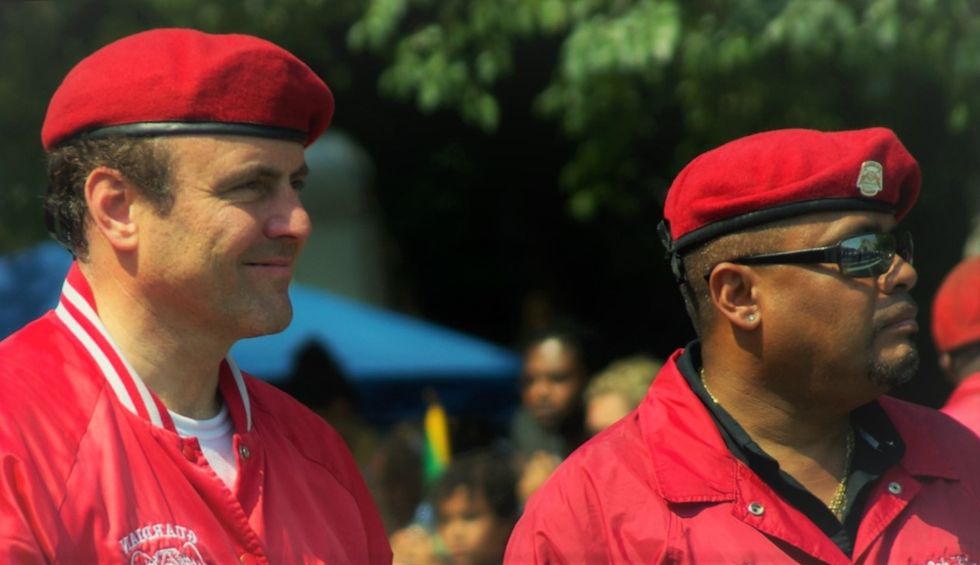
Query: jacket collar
point(690, 458)
point(78, 312)
point(693, 463)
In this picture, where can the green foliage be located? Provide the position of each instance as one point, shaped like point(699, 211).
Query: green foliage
point(636, 86)
point(451, 53)
point(725, 67)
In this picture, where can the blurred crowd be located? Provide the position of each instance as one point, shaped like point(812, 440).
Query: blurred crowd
point(464, 510)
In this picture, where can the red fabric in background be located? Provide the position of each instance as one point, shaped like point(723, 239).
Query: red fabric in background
point(956, 307)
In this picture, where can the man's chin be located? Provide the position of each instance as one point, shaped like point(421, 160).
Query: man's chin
point(898, 370)
point(269, 323)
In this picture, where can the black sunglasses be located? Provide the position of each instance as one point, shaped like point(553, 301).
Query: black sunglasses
point(865, 255)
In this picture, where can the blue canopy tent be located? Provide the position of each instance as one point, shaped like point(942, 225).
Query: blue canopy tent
point(30, 284)
point(389, 358)
point(372, 344)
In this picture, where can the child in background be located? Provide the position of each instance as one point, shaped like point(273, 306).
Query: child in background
point(476, 508)
point(618, 390)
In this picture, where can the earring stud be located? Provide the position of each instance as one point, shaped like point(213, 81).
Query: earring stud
point(750, 317)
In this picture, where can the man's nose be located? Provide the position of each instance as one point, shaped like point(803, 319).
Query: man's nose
point(900, 276)
point(290, 218)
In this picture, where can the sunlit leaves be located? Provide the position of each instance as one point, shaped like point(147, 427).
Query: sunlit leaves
point(450, 54)
point(378, 24)
point(729, 67)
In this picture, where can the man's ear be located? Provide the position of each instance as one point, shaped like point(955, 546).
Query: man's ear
point(734, 292)
point(110, 198)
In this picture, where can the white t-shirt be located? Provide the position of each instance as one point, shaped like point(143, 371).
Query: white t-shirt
point(215, 437)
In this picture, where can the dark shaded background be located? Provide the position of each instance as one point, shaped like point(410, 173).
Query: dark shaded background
point(480, 231)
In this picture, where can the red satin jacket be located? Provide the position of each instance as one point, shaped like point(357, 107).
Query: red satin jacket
point(661, 486)
point(93, 471)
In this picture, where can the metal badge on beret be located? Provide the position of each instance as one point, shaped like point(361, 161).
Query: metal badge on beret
point(870, 179)
point(774, 175)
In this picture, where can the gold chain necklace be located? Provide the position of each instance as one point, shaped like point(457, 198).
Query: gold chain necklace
point(706, 389)
point(838, 503)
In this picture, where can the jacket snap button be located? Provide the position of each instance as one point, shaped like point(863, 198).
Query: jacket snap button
point(894, 488)
point(757, 509)
point(243, 451)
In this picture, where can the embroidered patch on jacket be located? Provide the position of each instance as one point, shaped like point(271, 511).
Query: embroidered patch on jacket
point(961, 559)
point(871, 178)
point(162, 544)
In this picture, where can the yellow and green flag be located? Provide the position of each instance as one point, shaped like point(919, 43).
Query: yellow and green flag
point(436, 451)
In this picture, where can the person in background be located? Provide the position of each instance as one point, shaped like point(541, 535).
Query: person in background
point(617, 391)
point(476, 508)
point(956, 332)
point(415, 545)
point(395, 475)
point(555, 372)
point(549, 423)
point(770, 439)
point(319, 383)
point(127, 433)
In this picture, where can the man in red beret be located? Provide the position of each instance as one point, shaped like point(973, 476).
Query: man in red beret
point(127, 434)
point(956, 332)
point(770, 440)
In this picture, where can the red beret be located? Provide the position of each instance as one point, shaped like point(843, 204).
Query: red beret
point(956, 308)
point(784, 173)
point(178, 81)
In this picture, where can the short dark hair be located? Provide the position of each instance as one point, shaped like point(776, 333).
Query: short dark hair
point(583, 343)
point(317, 379)
point(482, 472)
point(700, 260)
point(145, 162)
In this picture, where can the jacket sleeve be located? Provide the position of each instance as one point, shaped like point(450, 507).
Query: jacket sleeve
point(20, 540)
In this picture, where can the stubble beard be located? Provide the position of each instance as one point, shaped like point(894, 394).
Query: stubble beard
point(268, 320)
point(258, 312)
point(891, 374)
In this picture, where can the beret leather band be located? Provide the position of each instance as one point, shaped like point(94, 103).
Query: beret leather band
point(711, 231)
point(154, 129)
